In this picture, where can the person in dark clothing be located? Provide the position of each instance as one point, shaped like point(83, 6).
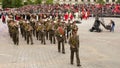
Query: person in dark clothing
point(96, 25)
point(112, 25)
point(74, 47)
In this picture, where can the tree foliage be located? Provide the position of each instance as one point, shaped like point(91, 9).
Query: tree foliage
point(38, 1)
point(11, 3)
point(30, 2)
point(6, 3)
point(100, 1)
point(49, 1)
point(118, 1)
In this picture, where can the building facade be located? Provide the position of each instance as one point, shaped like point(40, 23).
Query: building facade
point(76, 1)
point(81, 1)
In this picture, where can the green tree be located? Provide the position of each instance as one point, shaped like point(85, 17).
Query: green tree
point(38, 1)
point(11, 3)
point(30, 2)
point(49, 1)
point(118, 1)
point(16, 3)
point(100, 1)
point(6, 3)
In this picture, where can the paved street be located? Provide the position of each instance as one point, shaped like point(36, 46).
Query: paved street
point(97, 50)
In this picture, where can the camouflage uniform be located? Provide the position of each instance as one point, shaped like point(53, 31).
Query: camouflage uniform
point(52, 33)
point(43, 34)
point(74, 47)
point(21, 27)
point(15, 33)
point(33, 26)
point(29, 33)
point(60, 38)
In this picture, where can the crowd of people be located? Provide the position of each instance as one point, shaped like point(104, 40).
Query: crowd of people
point(54, 23)
point(55, 30)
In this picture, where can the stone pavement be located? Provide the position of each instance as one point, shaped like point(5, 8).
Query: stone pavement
point(97, 50)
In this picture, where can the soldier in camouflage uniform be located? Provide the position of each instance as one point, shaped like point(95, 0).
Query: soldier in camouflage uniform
point(14, 32)
point(24, 29)
point(43, 34)
point(74, 47)
point(29, 29)
point(60, 38)
point(39, 31)
point(47, 28)
point(9, 21)
point(51, 29)
point(21, 26)
point(32, 22)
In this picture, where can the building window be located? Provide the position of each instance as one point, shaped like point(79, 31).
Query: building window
point(82, 0)
point(107, 0)
point(94, 0)
point(113, 0)
point(69, 0)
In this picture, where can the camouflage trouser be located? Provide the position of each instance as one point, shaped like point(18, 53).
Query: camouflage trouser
point(47, 35)
point(52, 36)
point(77, 56)
point(43, 37)
point(15, 37)
point(29, 36)
point(61, 41)
point(25, 34)
point(39, 35)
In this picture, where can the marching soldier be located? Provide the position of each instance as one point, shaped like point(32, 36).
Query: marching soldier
point(51, 32)
point(29, 33)
point(32, 21)
point(39, 31)
point(47, 29)
point(43, 31)
point(15, 32)
point(24, 29)
point(9, 21)
point(21, 26)
point(74, 47)
point(60, 38)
